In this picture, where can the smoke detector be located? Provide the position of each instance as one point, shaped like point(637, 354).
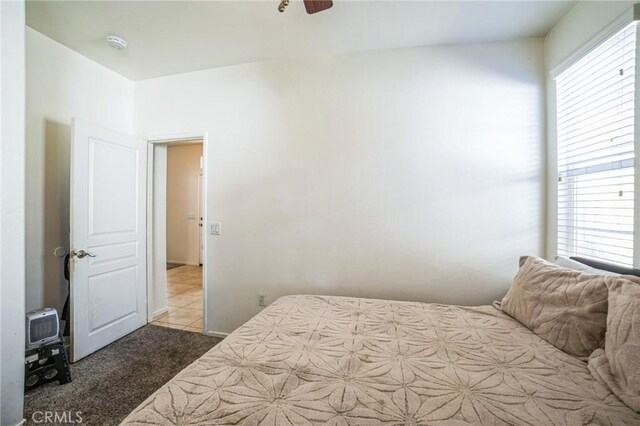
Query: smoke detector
point(116, 42)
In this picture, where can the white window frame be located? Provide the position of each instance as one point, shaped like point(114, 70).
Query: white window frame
point(630, 15)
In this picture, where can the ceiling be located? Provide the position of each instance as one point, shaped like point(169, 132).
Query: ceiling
point(170, 37)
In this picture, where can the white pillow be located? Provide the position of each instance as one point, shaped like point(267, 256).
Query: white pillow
point(565, 262)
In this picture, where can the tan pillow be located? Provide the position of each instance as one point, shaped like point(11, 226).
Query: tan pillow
point(618, 365)
point(567, 308)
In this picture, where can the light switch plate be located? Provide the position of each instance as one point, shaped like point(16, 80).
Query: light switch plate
point(215, 228)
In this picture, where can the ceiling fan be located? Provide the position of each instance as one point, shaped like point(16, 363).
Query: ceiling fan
point(312, 6)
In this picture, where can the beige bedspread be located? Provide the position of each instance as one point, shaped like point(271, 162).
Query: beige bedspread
point(339, 361)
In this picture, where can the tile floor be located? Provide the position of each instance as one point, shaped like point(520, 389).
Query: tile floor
point(184, 299)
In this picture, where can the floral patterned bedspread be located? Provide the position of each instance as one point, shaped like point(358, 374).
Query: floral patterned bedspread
point(341, 361)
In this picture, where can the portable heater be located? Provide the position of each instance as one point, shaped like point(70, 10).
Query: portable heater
point(42, 327)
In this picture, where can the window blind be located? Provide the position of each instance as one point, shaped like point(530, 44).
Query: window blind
point(595, 118)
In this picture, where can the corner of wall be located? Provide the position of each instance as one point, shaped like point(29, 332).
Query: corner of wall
point(12, 219)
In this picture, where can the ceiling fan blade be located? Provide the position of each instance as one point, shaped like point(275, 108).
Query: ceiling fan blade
point(315, 6)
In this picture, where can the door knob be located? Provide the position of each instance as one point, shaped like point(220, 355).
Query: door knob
point(81, 254)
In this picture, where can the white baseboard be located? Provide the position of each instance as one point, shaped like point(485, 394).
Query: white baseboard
point(183, 262)
point(160, 311)
point(216, 334)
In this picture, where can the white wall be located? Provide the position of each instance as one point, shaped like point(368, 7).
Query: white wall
point(412, 174)
point(12, 193)
point(61, 84)
point(183, 230)
point(576, 29)
point(159, 232)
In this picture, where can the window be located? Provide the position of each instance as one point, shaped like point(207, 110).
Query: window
point(595, 118)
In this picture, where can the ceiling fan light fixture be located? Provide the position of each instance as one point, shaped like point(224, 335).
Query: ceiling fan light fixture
point(283, 4)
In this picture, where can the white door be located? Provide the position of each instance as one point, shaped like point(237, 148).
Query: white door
point(201, 215)
point(108, 236)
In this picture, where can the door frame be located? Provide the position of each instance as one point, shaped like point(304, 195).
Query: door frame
point(175, 138)
point(201, 231)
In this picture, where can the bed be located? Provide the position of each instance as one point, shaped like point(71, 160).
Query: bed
point(350, 361)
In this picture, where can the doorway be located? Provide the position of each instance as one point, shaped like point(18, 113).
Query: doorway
point(177, 179)
point(184, 172)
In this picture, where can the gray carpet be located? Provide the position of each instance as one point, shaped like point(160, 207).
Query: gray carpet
point(110, 383)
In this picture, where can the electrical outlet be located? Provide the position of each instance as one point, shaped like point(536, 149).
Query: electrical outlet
point(262, 300)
